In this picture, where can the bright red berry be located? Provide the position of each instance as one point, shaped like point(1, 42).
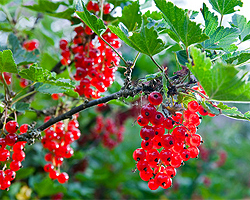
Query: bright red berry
point(155, 98)
point(11, 126)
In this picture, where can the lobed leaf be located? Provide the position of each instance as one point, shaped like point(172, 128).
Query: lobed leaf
point(187, 31)
point(92, 21)
point(7, 63)
point(239, 59)
point(220, 81)
point(147, 41)
point(211, 21)
point(225, 7)
point(131, 16)
point(222, 38)
point(233, 112)
point(240, 22)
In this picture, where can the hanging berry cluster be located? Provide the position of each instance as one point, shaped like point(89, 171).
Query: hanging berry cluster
point(110, 133)
point(161, 153)
point(11, 153)
point(95, 62)
point(57, 140)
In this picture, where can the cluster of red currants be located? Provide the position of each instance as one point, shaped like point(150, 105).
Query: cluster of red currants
point(110, 133)
point(161, 153)
point(94, 7)
point(95, 61)
point(9, 145)
point(31, 45)
point(57, 140)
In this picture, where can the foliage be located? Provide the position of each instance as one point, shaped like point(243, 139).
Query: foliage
point(188, 54)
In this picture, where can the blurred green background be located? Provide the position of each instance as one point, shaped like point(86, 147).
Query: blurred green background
point(221, 172)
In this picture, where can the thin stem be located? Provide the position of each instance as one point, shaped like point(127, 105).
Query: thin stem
point(21, 97)
point(125, 62)
point(137, 56)
point(23, 89)
point(162, 70)
point(5, 85)
point(67, 115)
point(101, 8)
point(187, 53)
point(204, 96)
point(221, 19)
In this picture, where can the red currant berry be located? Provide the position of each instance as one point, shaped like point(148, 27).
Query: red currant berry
point(194, 152)
point(11, 139)
point(193, 106)
point(147, 132)
point(155, 98)
point(139, 154)
point(167, 141)
point(15, 165)
point(148, 111)
point(53, 174)
point(11, 126)
point(63, 177)
point(153, 185)
point(142, 121)
point(63, 44)
point(10, 175)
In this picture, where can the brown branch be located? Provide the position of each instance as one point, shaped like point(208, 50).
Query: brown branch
point(122, 93)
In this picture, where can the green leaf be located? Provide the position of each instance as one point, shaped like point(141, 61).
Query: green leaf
point(153, 76)
point(182, 57)
point(188, 32)
point(240, 22)
point(131, 16)
point(47, 88)
point(50, 89)
point(24, 172)
point(52, 84)
point(147, 41)
point(239, 59)
point(222, 38)
point(211, 21)
point(4, 2)
point(47, 187)
point(7, 63)
point(225, 6)
point(37, 74)
point(66, 14)
point(233, 112)
point(21, 106)
point(5, 26)
point(45, 6)
point(220, 81)
point(92, 21)
point(118, 103)
point(21, 56)
point(50, 8)
point(48, 61)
